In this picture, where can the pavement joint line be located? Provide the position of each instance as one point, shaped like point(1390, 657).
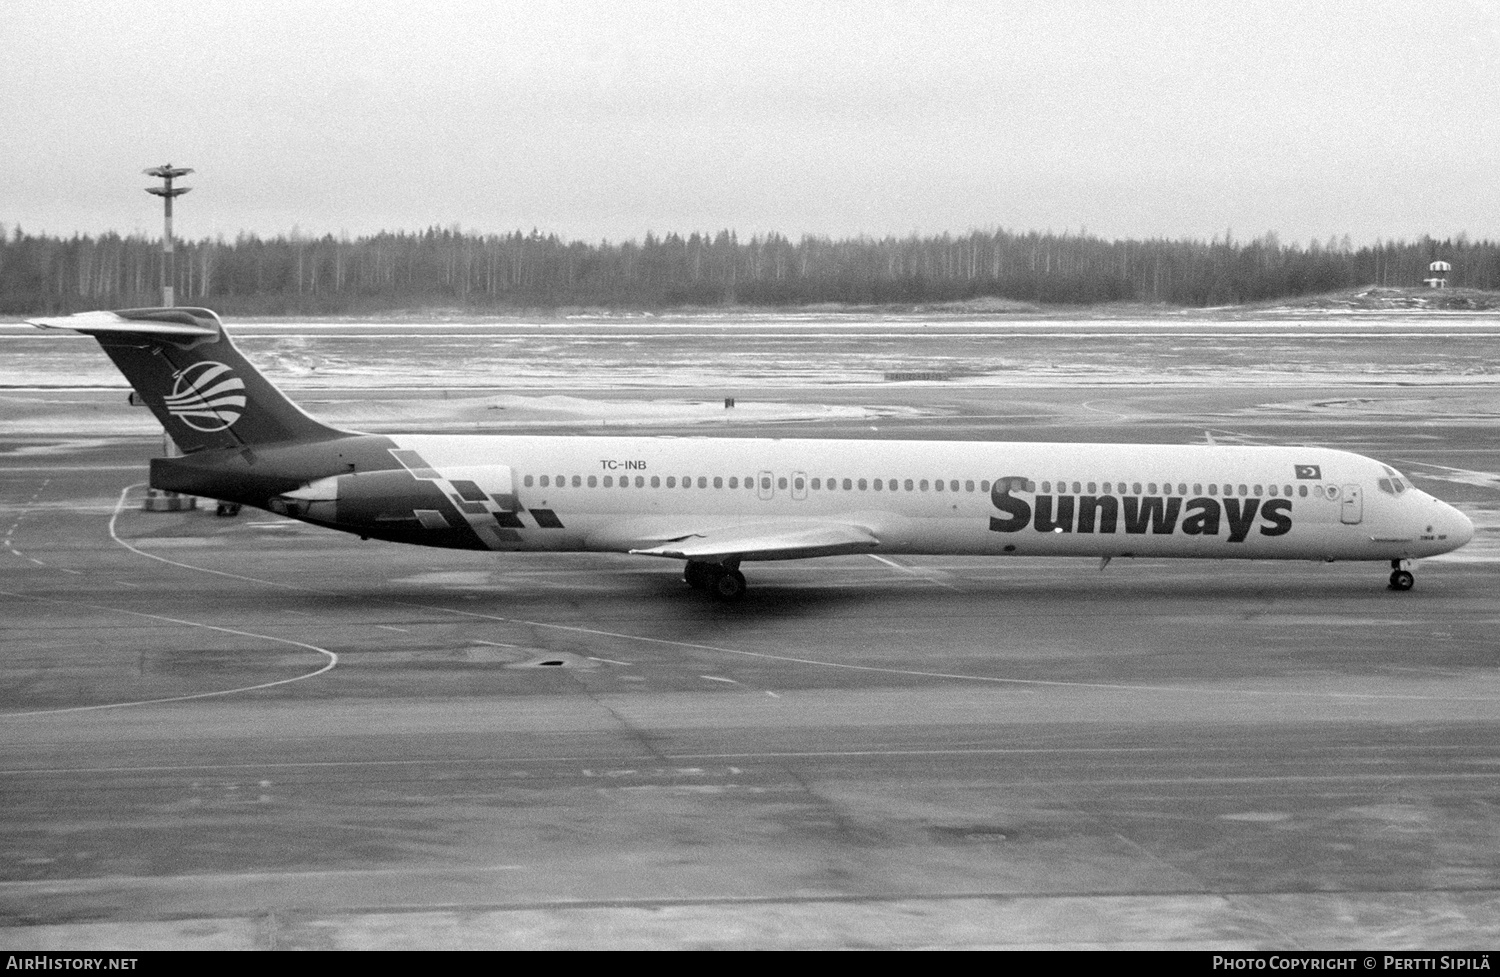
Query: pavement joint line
point(685, 902)
point(470, 761)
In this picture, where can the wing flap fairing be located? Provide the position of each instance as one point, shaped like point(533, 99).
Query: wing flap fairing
point(767, 541)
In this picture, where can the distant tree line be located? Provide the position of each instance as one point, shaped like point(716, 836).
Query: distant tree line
point(438, 267)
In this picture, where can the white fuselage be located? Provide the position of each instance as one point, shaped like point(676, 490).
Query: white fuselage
point(942, 497)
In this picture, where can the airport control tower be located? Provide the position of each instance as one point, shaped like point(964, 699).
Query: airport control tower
point(1439, 271)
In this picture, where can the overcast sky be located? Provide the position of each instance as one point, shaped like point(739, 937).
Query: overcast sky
point(608, 120)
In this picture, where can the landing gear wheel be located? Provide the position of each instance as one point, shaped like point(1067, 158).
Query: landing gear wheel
point(1402, 580)
point(728, 586)
point(698, 575)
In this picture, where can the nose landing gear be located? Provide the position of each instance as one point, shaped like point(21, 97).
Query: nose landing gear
point(1401, 577)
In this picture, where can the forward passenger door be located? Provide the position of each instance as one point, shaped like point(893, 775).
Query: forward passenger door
point(1353, 506)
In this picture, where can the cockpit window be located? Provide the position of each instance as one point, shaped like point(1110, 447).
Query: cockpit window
point(1394, 485)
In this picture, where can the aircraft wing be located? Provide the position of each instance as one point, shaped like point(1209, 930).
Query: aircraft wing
point(768, 541)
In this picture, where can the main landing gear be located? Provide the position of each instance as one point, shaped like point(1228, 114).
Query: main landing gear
point(724, 582)
point(1401, 578)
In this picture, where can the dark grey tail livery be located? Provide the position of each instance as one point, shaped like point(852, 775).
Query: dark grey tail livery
point(244, 441)
point(185, 368)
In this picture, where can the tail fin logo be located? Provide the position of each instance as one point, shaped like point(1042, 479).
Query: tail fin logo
point(207, 397)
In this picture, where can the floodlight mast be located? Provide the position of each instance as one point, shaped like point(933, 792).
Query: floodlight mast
point(168, 173)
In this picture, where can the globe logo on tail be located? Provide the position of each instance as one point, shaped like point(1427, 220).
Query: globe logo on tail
point(207, 397)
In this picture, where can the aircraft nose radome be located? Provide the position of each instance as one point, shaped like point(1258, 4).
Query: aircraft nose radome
point(1463, 527)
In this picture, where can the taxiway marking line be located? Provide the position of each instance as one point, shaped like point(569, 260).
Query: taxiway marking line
point(767, 656)
point(11, 532)
point(1089, 405)
point(918, 573)
point(333, 659)
point(958, 676)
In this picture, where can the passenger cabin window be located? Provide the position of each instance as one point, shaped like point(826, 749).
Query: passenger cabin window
point(593, 481)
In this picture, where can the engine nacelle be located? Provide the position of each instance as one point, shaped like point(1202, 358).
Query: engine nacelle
point(395, 497)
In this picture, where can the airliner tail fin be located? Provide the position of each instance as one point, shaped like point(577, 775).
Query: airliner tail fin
point(187, 370)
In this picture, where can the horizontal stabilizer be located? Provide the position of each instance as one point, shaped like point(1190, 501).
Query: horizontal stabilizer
point(769, 541)
point(166, 323)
